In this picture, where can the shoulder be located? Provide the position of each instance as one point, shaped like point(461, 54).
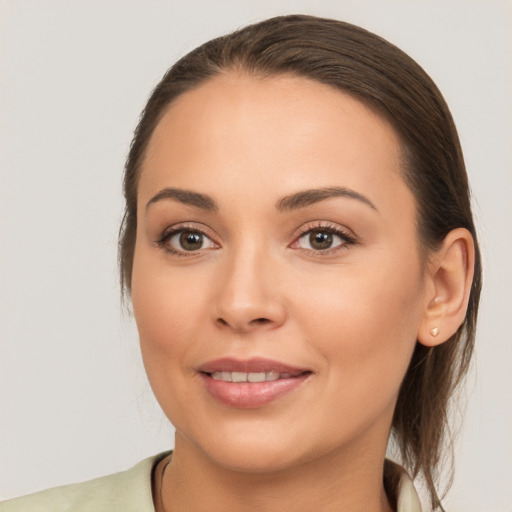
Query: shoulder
point(129, 491)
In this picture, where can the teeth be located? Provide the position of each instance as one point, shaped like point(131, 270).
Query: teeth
point(239, 377)
point(256, 377)
point(271, 376)
point(249, 377)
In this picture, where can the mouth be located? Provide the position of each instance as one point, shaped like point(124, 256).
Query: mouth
point(250, 376)
point(252, 383)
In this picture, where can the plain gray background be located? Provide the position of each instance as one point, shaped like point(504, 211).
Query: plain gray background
point(74, 76)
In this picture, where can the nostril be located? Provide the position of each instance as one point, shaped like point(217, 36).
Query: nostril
point(261, 320)
point(244, 325)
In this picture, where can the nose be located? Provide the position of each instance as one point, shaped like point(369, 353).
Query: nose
point(249, 296)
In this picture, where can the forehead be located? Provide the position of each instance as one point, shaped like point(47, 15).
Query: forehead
point(299, 105)
point(237, 131)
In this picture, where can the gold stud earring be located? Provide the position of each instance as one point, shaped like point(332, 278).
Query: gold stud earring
point(434, 332)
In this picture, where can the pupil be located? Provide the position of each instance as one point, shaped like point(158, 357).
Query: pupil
point(191, 241)
point(320, 240)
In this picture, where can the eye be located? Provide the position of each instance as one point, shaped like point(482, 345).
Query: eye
point(319, 240)
point(186, 240)
point(322, 239)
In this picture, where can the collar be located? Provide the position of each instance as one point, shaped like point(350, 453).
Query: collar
point(401, 488)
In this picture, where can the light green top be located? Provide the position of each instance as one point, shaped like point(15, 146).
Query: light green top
point(130, 491)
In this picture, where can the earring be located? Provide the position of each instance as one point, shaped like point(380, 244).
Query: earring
point(434, 332)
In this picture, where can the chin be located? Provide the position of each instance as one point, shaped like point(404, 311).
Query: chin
point(262, 447)
point(253, 458)
point(250, 450)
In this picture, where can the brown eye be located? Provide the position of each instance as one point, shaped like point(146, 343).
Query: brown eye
point(320, 240)
point(186, 240)
point(191, 241)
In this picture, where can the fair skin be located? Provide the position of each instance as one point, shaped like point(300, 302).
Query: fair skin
point(331, 283)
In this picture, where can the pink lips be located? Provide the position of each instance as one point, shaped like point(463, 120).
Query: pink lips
point(250, 395)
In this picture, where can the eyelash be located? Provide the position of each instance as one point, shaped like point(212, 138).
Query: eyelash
point(162, 242)
point(325, 227)
point(321, 227)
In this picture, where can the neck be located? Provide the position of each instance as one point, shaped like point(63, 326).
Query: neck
point(332, 482)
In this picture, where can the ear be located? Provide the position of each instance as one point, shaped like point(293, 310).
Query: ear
point(449, 278)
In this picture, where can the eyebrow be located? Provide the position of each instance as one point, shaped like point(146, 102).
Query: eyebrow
point(188, 197)
point(308, 197)
point(292, 202)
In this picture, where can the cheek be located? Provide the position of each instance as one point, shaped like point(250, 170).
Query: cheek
point(166, 311)
point(164, 315)
point(165, 300)
point(365, 328)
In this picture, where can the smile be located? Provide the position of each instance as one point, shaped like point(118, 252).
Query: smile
point(249, 377)
point(252, 383)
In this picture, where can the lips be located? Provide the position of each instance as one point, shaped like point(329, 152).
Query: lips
point(252, 383)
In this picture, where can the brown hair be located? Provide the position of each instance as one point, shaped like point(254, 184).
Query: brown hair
point(377, 73)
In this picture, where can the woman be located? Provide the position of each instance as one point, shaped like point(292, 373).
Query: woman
point(304, 271)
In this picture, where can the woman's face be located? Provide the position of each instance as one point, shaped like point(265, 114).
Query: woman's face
point(276, 246)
